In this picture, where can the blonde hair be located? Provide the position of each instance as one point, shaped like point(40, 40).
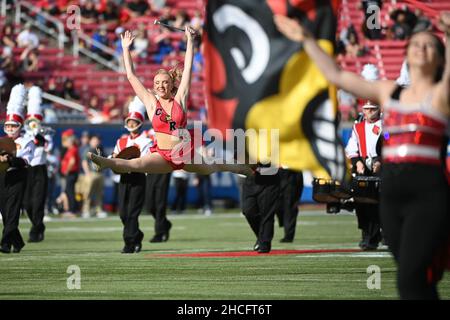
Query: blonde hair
point(175, 75)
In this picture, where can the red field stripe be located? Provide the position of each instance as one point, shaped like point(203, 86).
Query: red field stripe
point(231, 254)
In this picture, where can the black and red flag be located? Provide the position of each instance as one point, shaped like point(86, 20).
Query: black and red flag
point(258, 79)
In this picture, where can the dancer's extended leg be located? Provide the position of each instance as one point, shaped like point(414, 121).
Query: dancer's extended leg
point(150, 163)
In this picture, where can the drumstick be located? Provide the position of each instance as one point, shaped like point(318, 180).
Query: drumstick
point(168, 26)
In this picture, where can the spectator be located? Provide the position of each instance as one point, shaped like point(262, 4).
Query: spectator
point(84, 147)
point(68, 92)
point(347, 105)
point(197, 21)
point(29, 60)
point(164, 46)
point(401, 30)
point(353, 49)
point(93, 182)
point(51, 89)
point(89, 13)
point(166, 17)
point(157, 5)
point(198, 62)
point(138, 8)
point(101, 36)
point(171, 60)
point(181, 19)
point(94, 103)
point(70, 166)
point(140, 44)
point(8, 36)
point(110, 110)
point(118, 46)
point(51, 7)
point(422, 22)
point(7, 61)
point(52, 170)
point(27, 38)
point(111, 15)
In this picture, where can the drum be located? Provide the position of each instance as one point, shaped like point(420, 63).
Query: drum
point(329, 191)
point(340, 191)
point(366, 189)
point(322, 190)
point(128, 153)
point(7, 145)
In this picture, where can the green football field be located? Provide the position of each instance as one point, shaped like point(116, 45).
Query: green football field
point(40, 271)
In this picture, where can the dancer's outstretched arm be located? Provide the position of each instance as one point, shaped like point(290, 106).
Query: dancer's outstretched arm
point(377, 91)
point(147, 98)
point(185, 83)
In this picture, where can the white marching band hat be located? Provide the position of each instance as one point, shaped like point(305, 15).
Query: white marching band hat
point(136, 110)
point(370, 72)
point(15, 109)
point(34, 110)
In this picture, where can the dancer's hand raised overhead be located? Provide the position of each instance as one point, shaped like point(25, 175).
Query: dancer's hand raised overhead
point(190, 32)
point(127, 39)
point(291, 29)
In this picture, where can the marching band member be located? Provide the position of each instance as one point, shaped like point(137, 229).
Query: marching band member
point(13, 181)
point(362, 149)
point(37, 181)
point(132, 185)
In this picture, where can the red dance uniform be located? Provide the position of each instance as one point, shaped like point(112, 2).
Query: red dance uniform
point(174, 124)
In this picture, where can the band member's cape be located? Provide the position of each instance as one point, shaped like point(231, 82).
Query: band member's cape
point(256, 78)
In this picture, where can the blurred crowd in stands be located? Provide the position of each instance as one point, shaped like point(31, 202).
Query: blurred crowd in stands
point(402, 23)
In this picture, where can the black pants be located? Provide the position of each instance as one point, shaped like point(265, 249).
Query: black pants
point(204, 191)
point(291, 188)
point(71, 180)
point(369, 222)
point(259, 204)
point(131, 201)
point(35, 197)
point(415, 219)
point(157, 190)
point(181, 187)
point(12, 187)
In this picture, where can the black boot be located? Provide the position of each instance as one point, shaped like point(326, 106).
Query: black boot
point(36, 237)
point(165, 236)
point(128, 249)
point(5, 248)
point(264, 247)
point(256, 246)
point(138, 245)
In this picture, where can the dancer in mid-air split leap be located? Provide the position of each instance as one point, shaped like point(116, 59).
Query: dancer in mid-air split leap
point(166, 107)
